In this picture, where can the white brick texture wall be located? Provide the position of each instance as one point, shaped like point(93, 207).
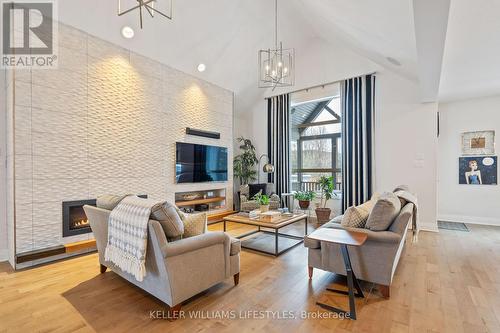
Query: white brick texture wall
point(105, 121)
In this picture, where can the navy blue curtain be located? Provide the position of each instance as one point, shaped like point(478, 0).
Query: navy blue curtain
point(358, 121)
point(278, 141)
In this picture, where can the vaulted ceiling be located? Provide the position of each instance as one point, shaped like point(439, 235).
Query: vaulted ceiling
point(226, 34)
point(471, 65)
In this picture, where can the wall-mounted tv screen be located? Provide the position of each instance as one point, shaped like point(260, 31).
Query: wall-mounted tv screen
point(200, 163)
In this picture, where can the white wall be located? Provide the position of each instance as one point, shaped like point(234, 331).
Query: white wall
point(462, 203)
point(3, 152)
point(406, 143)
point(406, 140)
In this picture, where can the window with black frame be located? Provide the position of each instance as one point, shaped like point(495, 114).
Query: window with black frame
point(316, 143)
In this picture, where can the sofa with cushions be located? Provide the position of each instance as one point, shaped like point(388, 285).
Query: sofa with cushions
point(248, 191)
point(182, 258)
point(385, 220)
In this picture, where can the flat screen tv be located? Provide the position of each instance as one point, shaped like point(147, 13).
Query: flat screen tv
point(200, 163)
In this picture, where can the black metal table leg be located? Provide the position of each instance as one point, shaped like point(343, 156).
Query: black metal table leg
point(347, 261)
point(305, 221)
point(276, 236)
point(352, 283)
point(224, 225)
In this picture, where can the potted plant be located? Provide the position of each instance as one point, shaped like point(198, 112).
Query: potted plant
point(263, 201)
point(326, 186)
point(243, 164)
point(304, 198)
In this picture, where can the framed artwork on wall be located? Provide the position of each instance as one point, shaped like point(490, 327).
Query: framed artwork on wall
point(477, 170)
point(478, 143)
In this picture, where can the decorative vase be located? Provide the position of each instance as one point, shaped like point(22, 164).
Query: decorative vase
point(304, 204)
point(264, 208)
point(323, 214)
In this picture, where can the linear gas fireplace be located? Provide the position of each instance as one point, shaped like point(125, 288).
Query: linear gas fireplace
point(75, 221)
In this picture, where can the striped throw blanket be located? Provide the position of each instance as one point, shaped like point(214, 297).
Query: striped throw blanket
point(128, 235)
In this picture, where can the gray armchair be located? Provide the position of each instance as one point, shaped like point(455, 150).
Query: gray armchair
point(247, 204)
point(178, 270)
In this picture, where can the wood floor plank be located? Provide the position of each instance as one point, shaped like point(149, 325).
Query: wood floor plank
point(447, 282)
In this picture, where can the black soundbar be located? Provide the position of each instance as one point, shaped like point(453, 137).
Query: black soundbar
point(205, 134)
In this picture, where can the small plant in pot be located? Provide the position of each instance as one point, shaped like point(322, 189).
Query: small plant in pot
point(304, 198)
point(326, 186)
point(263, 201)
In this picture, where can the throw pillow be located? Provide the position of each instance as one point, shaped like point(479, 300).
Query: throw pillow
point(256, 188)
point(385, 210)
point(355, 217)
point(374, 198)
point(169, 218)
point(358, 216)
point(337, 219)
point(109, 201)
point(194, 224)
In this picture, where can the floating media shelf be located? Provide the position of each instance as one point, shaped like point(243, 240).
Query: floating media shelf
point(213, 202)
point(195, 202)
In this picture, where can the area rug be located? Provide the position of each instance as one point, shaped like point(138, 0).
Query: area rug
point(452, 226)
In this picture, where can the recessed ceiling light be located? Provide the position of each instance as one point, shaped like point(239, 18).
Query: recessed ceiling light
point(201, 67)
point(127, 32)
point(393, 61)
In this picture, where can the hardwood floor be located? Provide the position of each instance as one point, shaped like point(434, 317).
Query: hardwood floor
point(447, 282)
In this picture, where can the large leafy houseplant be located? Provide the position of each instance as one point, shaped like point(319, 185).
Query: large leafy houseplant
point(244, 163)
point(326, 187)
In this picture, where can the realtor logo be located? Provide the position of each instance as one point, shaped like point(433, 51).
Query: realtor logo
point(28, 34)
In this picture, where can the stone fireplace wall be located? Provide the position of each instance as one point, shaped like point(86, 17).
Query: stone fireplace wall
point(105, 121)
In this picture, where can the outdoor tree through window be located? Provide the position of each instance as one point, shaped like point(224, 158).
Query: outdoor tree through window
point(316, 139)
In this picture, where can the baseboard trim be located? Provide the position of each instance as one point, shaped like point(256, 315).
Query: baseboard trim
point(469, 219)
point(429, 227)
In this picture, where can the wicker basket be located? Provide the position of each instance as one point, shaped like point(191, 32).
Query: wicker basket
point(323, 214)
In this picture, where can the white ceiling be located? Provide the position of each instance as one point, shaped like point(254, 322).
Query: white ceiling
point(223, 34)
point(375, 29)
point(226, 34)
point(471, 64)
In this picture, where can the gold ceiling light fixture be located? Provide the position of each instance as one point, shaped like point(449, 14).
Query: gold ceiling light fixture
point(149, 6)
point(276, 65)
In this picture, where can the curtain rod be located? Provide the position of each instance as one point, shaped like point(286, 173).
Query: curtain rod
point(320, 85)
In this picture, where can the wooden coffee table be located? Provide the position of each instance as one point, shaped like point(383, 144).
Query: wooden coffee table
point(283, 221)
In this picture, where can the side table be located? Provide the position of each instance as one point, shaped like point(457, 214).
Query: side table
point(343, 238)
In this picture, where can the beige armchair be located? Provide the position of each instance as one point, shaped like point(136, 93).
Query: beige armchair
point(178, 270)
point(247, 204)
